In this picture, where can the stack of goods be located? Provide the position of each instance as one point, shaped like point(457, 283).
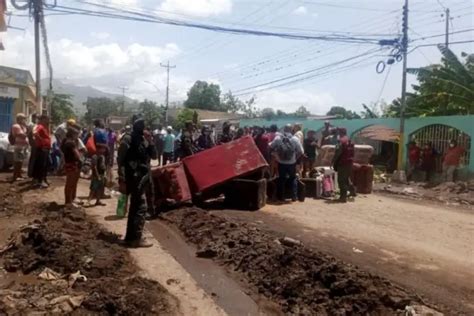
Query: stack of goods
point(325, 155)
point(362, 171)
point(322, 183)
point(363, 153)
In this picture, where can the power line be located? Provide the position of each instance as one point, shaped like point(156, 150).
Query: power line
point(229, 30)
point(437, 44)
point(441, 35)
point(332, 5)
point(308, 71)
point(329, 72)
point(297, 51)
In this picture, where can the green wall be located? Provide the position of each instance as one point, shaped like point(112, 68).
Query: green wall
point(464, 123)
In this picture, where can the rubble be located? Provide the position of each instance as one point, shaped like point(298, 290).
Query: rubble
point(450, 193)
point(73, 266)
point(302, 281)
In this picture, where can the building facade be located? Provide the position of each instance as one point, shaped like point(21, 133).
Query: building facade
point(17, 95)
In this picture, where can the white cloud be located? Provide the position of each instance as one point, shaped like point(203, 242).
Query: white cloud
point(100, 35)
point(291, 100)
point(104, 66)
point(200, 8)
point(300, 11)
point(117, 2)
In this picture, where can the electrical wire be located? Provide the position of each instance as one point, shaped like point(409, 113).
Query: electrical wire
point(436, 44)
point(444, 34)
point(215, 28)
point(308, 71)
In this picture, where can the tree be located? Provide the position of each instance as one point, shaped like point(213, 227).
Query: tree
point(184, 115)
point(342, 113)
point(444, 89)
point(302, 112)
point(61, 108)
point(101, 108)
point(268, 113)
point(249, 109)
point(151, 112)
point(205, 96)
point(231, 103)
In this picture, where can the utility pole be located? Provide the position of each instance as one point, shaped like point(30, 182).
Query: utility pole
point(168, 67)
point(447, 27)
point(123, 99)
point(404, 48)
point(36, 17)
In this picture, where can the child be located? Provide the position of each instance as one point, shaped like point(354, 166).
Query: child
point(98, 167)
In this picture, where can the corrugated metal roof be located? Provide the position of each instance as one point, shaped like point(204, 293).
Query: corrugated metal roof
point(379, 132)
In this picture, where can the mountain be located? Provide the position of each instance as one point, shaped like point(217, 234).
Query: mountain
point(81, 93)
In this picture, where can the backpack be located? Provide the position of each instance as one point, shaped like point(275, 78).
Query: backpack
point(11, 137)
point(286, 150)
point(90, 146)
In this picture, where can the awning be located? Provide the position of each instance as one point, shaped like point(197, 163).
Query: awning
point(380, 133)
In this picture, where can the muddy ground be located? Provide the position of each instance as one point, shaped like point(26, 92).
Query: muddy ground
point(302, 281)
point(61, 262)
point(449, 193)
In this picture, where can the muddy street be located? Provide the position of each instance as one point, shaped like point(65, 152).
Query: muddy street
point(374, 256)
point(424, 247)
point(61, 262)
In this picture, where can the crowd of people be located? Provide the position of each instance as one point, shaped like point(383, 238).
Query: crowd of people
point(74, 152)
point(425, 159)
point(288, 152)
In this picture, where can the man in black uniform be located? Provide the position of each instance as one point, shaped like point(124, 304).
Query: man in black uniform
point(134, 155)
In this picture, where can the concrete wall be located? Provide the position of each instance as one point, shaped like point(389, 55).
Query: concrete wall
point(464, 123)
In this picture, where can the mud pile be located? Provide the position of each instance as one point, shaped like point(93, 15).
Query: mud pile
point(10, 198)
point(302, 281)
point(450, 193)
point(75, 267)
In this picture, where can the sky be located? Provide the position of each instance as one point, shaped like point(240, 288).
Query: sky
point(109, 54)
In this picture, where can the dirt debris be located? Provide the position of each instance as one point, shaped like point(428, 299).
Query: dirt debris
point(301, 280)
point(449, 193)
point(83, 270)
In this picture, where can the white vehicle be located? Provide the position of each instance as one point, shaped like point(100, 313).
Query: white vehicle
point(6, 152)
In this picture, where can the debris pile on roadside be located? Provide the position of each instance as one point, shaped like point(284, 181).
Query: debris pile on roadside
point(301, 280)
point(450, 193)
point(73, 266)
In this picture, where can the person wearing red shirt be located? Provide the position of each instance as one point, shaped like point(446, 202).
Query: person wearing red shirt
point(43, 145)
point(451, 160)
point(262, 142)
point(273, 159)
point(414, 155)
